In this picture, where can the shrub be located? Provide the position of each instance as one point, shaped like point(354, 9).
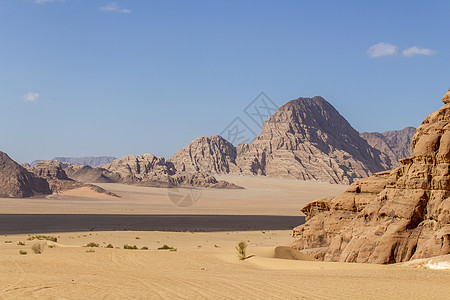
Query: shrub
point(38, 248)
point(109, 246)
point(144, 248)
point(21, 244)
point(126, 246)
point(90, 251)
point(23, 252)
point(165, 247)
point(241, 249)
point(43, 237)
point(92, 244)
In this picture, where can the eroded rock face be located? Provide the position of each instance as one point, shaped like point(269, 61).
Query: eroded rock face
point(305, 139)
point(17, 182)
point(49, 169)
point(207, 154)
point(396, 144)
point(393, 216)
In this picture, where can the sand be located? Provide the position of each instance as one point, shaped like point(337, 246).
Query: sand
point(205, 265)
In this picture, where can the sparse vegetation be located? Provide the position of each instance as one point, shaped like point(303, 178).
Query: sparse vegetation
point(8, 242)
point(38, 248)
point(126, 246)
point(165, 247)
point(20, 243)
point(242, 250)
point(90, 250)
point(43, 237)
point(138, 238)
point(51, 246)
point(23, 252)
point(215, 246)
point(144, 248)
point(109, 246)
point(92, 244)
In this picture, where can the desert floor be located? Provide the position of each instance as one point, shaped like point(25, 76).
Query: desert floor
point(205, 264)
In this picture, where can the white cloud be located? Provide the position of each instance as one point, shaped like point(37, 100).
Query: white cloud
point(410, 52)
point(115, 7)
point(382, 49)
point(46, 1)
point(30, 97)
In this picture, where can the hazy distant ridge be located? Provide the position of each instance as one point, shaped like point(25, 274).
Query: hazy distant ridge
point(93, 161)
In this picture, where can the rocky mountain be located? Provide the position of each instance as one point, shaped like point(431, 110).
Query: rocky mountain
point(392, 216)
point(207, 154)
point(395, 144)
point(93, 161)
point(17, 182)
point(305, 139)
point(147, 170)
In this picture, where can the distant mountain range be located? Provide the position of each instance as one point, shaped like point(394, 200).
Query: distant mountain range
point(93, 161)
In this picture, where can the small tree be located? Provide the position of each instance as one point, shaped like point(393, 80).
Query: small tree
point(38, 248)
point(241, 249)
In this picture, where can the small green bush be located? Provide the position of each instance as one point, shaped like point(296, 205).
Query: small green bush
point(92, 244)
point(241, 249)
point(21, 244)
point(165, 247)
point(43, 237)
point(90, 251)
point(23, 252)
point(144, 248)
point(38, 248)
point(126, 246)
point(109, 246)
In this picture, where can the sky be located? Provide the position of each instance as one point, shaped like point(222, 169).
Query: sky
point(90, 78)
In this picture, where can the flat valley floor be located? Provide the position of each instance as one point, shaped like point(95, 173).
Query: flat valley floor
point(204, 225)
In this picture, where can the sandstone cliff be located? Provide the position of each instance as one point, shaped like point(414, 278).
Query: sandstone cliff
point(395, 144)
point(17, 182)
point(392, 216)
point(305, 139)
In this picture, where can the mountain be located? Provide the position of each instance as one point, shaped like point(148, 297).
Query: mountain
point(147, 170)
point(395, 144)
point(305, 139)
point(17, 182)
point(392, 216)
point(93, 161)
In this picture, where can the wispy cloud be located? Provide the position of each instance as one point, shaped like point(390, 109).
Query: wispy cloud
point(30, 97)
point(410, 52)
point(115, 7)
point(382, 49)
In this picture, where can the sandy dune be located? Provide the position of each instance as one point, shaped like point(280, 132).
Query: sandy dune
point(205, 265)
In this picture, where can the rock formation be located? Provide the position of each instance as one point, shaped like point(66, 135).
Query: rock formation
point(207, 154)
point(392, 216)
point(92, 161)
point(17, 182)
point(305, 139)
point(395, 144)
point(147, 170)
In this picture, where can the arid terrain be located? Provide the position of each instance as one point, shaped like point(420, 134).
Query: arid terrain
point(205, 264)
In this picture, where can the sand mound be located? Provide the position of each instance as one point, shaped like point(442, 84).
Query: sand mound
point(284, 252)
point(87, 192)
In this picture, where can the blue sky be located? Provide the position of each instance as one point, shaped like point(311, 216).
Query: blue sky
point(88, 77)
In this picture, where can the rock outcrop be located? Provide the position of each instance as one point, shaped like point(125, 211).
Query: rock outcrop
point(392, 216)
point(305, 139)
point(17, 182)
point(395, 144)
point(207, 154)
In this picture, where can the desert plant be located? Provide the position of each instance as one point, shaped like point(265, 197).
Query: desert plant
point(23, 252)
point(92, 244)
point(21, 244)
point(43, 237)
point(144, 248)
point(8, 242)
point(37, 248)
point(242, 249)
point(126, 246)
point(51, 246)
point(109, 246)
point(90, 250)
point(165, 247)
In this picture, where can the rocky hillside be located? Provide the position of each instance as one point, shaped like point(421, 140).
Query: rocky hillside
point(147, 170)
point(393, 216)
point(17, 182)
point(305, 139)
point(92, 161)
point(395, 144)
